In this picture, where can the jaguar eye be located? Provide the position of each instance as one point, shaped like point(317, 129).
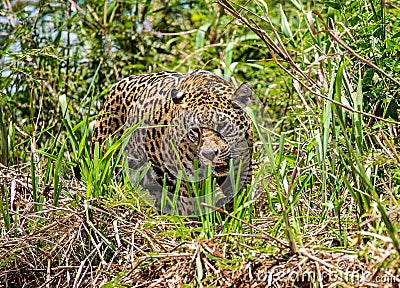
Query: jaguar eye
point(221, 128)
point(194, 135)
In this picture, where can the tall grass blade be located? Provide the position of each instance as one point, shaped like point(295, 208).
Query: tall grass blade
point(4, 138)
point(35, 190)
point(5, 211)
point(56, 185)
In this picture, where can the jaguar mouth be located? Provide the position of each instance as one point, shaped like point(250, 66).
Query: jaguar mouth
point(220, 169)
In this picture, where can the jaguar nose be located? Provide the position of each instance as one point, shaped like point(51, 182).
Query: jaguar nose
point(209, 154)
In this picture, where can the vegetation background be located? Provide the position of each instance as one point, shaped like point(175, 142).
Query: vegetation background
point(326, 77)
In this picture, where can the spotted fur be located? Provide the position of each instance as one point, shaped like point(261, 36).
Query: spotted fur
point(187, 120)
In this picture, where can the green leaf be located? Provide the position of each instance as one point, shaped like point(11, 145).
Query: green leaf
point(285, 24)
point(333, 5)
point(201, 34)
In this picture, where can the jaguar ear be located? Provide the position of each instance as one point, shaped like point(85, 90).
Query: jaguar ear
point(242, 95)
point(177, 96)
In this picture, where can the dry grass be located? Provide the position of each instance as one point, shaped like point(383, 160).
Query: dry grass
point(86, 245)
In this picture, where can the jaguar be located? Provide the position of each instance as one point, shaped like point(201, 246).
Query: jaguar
point(188, 127)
